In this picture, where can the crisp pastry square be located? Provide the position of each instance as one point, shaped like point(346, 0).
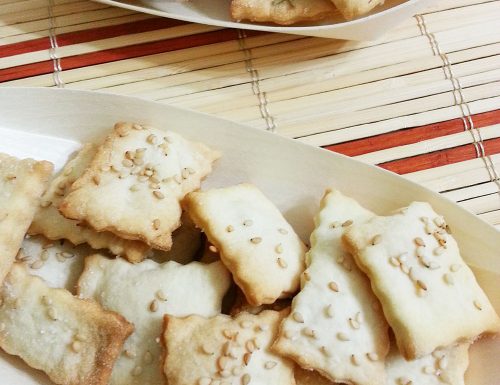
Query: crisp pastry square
point(429, 295)
point(135, 182)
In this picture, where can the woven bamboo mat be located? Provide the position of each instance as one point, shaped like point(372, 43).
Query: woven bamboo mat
point(423, 101)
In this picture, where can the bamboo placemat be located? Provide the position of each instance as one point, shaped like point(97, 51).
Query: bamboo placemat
point(423, 101)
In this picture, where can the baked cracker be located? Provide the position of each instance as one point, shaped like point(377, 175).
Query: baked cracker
point(73, 341)
point(336, 326)
point(351, 9)
point(224, 350)
point(445, 366)
point(22, 182)
point(135, 182)
point(309, 377)
point(429, 295)
point(284, 12)
point(143, 293)
point(49, 222)
point(255, 242)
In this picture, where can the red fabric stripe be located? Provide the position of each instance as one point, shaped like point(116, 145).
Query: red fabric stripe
point(25, 47)
point(412, 135)
point(27, 70)
point(440, 158)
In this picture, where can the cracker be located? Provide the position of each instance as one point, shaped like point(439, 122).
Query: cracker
point(143, 293)
point(255, 242)
point(429, 295)
point(72, 340)
point(351, 9)
point(309, 377)
point(240, 305)
point(135, 182)
point(22, 182)
point(445, 366)
point(49, 222)
point(224, 350)
point(284, 12)
point(335, 326)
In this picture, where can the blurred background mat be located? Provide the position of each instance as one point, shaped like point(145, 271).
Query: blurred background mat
point(423, 101)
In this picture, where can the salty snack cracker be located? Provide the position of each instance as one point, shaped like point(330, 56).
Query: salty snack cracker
point(429, 295)
point(336, 325)
point(72, 340)
point(255, 242)
point(135, 182)
point(351, 9)
point(224, 350)
point(49, 222)
point(284, 12)
point(22, 182)
point(309, 377)
point(143, 293)
point(445, 366)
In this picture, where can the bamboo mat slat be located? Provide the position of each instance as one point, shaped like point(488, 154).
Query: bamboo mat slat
point(422, 101)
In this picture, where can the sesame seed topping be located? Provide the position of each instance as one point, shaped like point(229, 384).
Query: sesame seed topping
point(354, 324)
point(428, 229)
point(151, 139)
point(224, 374)
point(46, 300)
point(245, 324)
point(222, 362)
point(136, 126)
point(44, 204)
point(455, 267)
point(247, 222)
point(161, 295)
point(401, 258)
point(419, 241)
point(177, 178)
point(67, 255)
point(10, 177)
point(442, 363)
point(156, 224)
point(347, 223)
point(245, 380)
point(333, 286)
point(229, 228)
point(393, 261)
point(438, 353)
point(439, 250)
point(282, 263)
point(439, 221)
point(442, 242)
point(80, 337)
point(135, 187)
point(434, 265)
point(153, 306)
point(325, 351)
point(148, 357)
point(478, 305)
point(127, 163)
point(335, 224)
point(404, 268)
point(372, 356)
point(76, 346)
point(246, 358)
point(237, 370)
point(283, 231)
point(298, 317)
point(343, 337)
point(329, 311)
point(190, 170)
point(2, 325)
point(204, 381)
point(212, 248)
point(376, 239)
point(309, 332)
point(206, 349)
point(228, 333)
point(37, 264)
point(270, 364)
point(250, 346)
point(306, 276)
point(158, 194)
point(354, 360)
point(428, 369)
point(448, 278)
point(44, 255)
point(421, 284)
point(256, 240)
point(279, 248)
point(137, 371)
point(60, 258)
point(420, 251)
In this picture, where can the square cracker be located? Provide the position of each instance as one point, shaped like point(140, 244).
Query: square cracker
point(336, 325)
point(22, 182)
point(282, 12)
point(143, 293)
point(445, 366)
point(351, 9)
point(224, 350)
point(429, 295)
point(49, 222)
point(255, 242)
point(135, 182)
point(72, 340)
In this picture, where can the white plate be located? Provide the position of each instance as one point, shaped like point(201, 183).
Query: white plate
point(216, 12)
point(50, 124)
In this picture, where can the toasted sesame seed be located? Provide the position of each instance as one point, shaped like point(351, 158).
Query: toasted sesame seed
point(190, 170)
point(404, 268)
point(325, 351)
point(256, 240)
point(224, 374)
point(428, 369)
point(156, 224)
point(151, 139)
point(245, 380)
point(46, 300)
point(354, 324)
point(135, 187)
point(290, 335)
point(439, 221)
point(401, 258)
point(270, 364)
point(185, 173)
point(448, 278)
point(442, 363)
point(478, 305)
point(279, 248)
point(354, 360)
point(309, 332)
point(419, 241)
point(420, 251)
point(37, 264)
point(44, 255)
point(206, 349)
point(228, 333)
point(44, 204)
point(421, 284)
point(52, 314)
point(438, 353)
point(229, 228)
point(153, 306)
point(222, 362)
point(298, 317)
point(250, 346)
point(347, 223)
point(247, 222)
point(306, 276)
point(127, 163)
point(283, 231)
point(455, 267)
point(434, 265)
point(428, 229)
point(236, 371)
point(442, 242)
point(447, 229)
point(137, 371)
point(329, 311)
point(439, 250)
point(60, 258)
point(67, 255)
point(282, 263)
point(76, 346)
point(212, 248)
point(376, 239)
point(245, 324)
point(343, 337)
point(10, 177)
point(246, 358)
point(158, 194)
point(136, 126)
point(177, 178)
point(393, 261)
point(372, 356)
point(402, 381)
point(333, 286)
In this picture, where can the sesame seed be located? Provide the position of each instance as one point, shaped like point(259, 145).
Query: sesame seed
point(329, 311)
point(153, 306)
point(354, 324)
point(52, 314)
point(421, 284)
point(44, 255)
point(282, 263)
point(256, 240)
point(283, 231)
point(447, 229)
point(438, 353)
point(177, 178)
point(158, 194)
point(442, 363)
point(224, 374)
point(263, 327)
point(136, 126)
point(137, 371)
point(439, 221)
point(354, 360)
point(237, 370)
point(393, 261)
point(190, 170)
point(67, 255)
point(340, 259)
point(404, 268)
point(420, 251)
point(161, 295)
point(228, 333)
point(335, 224)
point(347, 223)
point(290, 335)
point(185, 173)
point(250, 346)
point(247, 222)
point(278, 248)
point(306, 276)
point(343, 337)
point(434, 265)
point(37, 264)
point(222, 362)
point(148, 357)
point(325, 351)
point(309, 332)
point(376, 239)
point(442, 242)
point(333, 286)
point(151, 139)
point(20, 255)
point(455, 267)
point(156, 224)
point(478, 305)
point(245, 380)
point(245, 324)
point(46, 300)
point(44, 204)
point(439, 250)
point(428, 369)
point(205, 349)
point(212, 248)
point(80, 337)
point(229, 229)
point(246, 358)
point(138, 162)
point(298, 317)
point(60, 258)
point(135, 187)
point(448, 278)
point(419, 241)
point(270, 364)
point(401, 258)
point(2, 326)
point(428, 229)
point(372, 356)
point(127, 163)
point(148, 173)
point(76, 346)
point(129, 155)
point(10, 177)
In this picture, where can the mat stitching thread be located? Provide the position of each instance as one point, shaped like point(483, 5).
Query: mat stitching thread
point(254, 76)
point(461, 102)
point(56, 74)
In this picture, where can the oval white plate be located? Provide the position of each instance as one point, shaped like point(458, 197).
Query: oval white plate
point(50, 124)
point(216, 12)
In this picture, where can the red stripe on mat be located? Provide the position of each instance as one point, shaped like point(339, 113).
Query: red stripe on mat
point(90, 35)
point(123, 53)
point(440, 158)
point(412, 135)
